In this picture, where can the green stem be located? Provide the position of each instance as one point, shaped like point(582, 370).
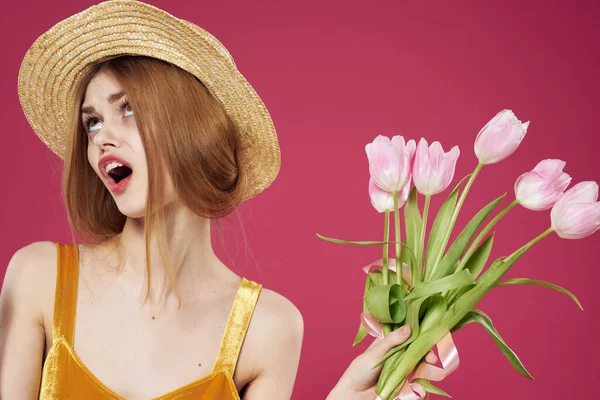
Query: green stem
point(386, 238)
point(397, 238)
point(452, 295)
point(519, 252)
point(421, 250)
point(482, 234)
point(455, 212)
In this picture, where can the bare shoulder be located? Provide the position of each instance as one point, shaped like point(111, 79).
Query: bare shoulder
point(37, 251)
point(276, 324)
point(26, 291)
point(33, 264)
point(274, 311)
point(31, 275)
point(274, 343)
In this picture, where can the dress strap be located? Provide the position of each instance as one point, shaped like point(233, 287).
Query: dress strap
point(237, 325)
point(65, 297)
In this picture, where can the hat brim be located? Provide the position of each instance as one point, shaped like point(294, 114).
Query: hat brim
point(57, 59)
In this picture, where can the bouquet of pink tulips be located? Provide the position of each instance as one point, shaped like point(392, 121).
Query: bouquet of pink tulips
point(435, 288)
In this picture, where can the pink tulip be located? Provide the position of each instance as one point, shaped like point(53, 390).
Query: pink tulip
point(390, 161)
point(382, 200)
point(500, 137)
point(433, 169)
point(576, 213)
point(539, 189)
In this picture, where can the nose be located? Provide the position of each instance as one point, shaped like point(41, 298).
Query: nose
point(107, 137)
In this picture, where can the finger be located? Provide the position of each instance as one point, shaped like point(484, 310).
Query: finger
point(431, 358)
point(384, 345)
point(374, 343)
point(361, 372)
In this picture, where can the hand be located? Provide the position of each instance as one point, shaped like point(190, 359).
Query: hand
point(359, 380)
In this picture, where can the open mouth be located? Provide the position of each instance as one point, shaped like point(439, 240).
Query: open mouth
point(119, 173)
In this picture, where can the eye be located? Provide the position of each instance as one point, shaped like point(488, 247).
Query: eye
point(91, 124)
point(125, 106)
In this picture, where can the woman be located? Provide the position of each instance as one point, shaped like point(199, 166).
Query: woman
point(160, 134)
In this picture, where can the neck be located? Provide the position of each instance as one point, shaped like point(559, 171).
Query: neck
point(191, 255)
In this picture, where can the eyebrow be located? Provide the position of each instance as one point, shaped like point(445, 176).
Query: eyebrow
point(111, 99)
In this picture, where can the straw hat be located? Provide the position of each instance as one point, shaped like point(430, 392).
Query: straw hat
point(58, 58)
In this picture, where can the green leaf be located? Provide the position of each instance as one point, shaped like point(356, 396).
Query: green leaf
point(388, 368)
point(430, 388)
point(486, 282)
point(526, 281)
point(407, 256)
point(412, 319)
point(457, 280)
point(360, 335)
point(481, 318)
point(362, 332)
point(460, 244)
point(356, 243)
point(412, 222)
point(475, 265)
point(436, 308)
point(480, 257)
point(376, 277)
point(456, 294)
point(386, 304)
point(438, 229)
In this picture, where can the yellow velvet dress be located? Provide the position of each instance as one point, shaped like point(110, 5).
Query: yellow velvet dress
point(64, 376)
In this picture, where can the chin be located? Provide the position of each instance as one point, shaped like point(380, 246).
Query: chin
point(132, 210)
point(136, 208)
point(133, 215)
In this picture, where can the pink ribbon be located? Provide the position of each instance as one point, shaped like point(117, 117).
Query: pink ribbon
point(448, 353)
point(406, 273)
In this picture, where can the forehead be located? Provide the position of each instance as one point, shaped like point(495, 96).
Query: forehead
point(100, 87)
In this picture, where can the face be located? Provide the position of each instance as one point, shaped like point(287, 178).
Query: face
point(115, 149)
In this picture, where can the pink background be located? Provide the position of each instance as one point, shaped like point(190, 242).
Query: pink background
point(334, 74)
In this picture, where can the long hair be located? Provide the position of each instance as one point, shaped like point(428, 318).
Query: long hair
point(185, 131)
